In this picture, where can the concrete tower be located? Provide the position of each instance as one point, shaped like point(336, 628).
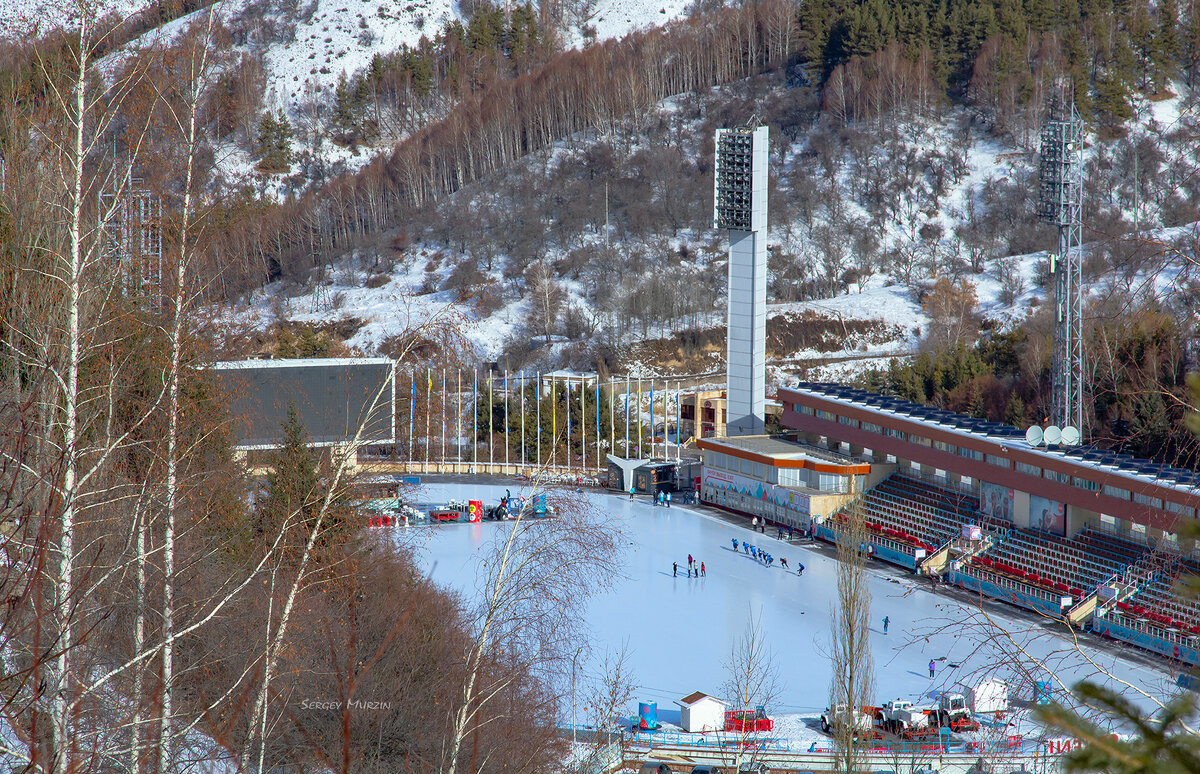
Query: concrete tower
point(740, 207)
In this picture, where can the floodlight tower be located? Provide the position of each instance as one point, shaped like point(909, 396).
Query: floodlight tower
point(132, 226)
point(1060, 203)
point(740, 207)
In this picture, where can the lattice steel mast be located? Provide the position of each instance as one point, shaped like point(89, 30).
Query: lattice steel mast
point(132, 221)
point(1060, 202)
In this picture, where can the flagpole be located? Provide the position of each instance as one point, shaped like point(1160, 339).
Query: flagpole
point(412, 414)
point(523, 460)
point(612, 415)
point(443, 419)
point(491, 432)
point(475, 423)
point(582, 424)
point(569, 455)
point(651, 418)
point(553, 425)
point(637, 417)
point(599, 462)
point(537, 402)
point(628, 387)
point(428, 407)
point(506, 422)
point(458, 437)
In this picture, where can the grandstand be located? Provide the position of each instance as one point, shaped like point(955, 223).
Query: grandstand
point(1079, 533)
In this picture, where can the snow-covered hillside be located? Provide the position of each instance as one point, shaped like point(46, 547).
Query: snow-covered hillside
point(1007, 288)
point(23, 17)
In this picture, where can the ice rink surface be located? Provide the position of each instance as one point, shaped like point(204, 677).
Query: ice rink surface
point(679, 631)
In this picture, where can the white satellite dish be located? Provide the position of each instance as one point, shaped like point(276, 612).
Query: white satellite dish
point(1033, 436)
point(1071, 436)
point(1052, 435)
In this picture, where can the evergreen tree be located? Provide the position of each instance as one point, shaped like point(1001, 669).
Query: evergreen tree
point(295, 493)
point(273, 145)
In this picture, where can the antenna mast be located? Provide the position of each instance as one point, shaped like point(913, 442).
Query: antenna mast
point(1060, 203)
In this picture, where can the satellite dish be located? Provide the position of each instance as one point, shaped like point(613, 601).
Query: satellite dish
point(1071, 436)
point(1052, 435)
point(1033, 436)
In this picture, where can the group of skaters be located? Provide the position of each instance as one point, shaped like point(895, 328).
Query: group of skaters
point(693, 567)
point(662, 498)
point(763, 556)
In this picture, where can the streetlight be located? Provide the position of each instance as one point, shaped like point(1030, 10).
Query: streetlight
point(573, 659)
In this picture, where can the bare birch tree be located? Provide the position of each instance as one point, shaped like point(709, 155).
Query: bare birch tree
point(752, 680)
point(853, 679)
point(534, 583)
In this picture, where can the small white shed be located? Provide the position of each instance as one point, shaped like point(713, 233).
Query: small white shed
point(700, 712)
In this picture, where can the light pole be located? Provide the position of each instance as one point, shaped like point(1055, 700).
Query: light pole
point(573, 659)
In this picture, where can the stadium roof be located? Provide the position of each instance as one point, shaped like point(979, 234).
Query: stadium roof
point(1100, 459)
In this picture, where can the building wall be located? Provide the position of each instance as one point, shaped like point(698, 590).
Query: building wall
point(998, 465)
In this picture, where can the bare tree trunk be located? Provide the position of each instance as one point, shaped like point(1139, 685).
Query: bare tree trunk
point(199, 69)
point(853, 671)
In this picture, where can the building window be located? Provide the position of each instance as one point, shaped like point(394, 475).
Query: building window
point(758, 470)
point(1108, 522)
point(870, 427)
point(1083, 483)
point(1053, 475)
point(1138, 529)
point(919, 440)
point(1153, 502)
point(1115, 491)
point(848, 421)
point(943, 446)
point(822, 414)
point(746, 466)
point(894, 433)
point(971, 454)
point(804, 409)
point(1029, 470)
point(998, 461)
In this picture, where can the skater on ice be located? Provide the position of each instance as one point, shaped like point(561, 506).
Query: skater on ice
point(799, 570)
point(886, 621)
point(702, 573)
point(745, 547)
point(668, 499)
point(674, 569)
point(783, 562)
point(932, 668)
point(735, 544)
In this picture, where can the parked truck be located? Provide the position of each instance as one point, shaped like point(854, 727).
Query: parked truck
point(954, 713)
point(906, 720)
point(839, 718)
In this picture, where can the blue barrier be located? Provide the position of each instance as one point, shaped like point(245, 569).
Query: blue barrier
point(1105, 627)
point(1011, 596)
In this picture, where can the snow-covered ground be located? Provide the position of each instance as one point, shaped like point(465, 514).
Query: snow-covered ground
point(679, 630)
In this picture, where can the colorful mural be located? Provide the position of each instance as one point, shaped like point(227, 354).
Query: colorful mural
point(733, 491)
point(1047, 515)
point(996, 501)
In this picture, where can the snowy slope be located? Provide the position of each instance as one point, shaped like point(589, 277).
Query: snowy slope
point(21, 17)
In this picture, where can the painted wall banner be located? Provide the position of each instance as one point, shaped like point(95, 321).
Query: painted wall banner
point(722, 483)
point(996, 501)
point(1047, 515)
